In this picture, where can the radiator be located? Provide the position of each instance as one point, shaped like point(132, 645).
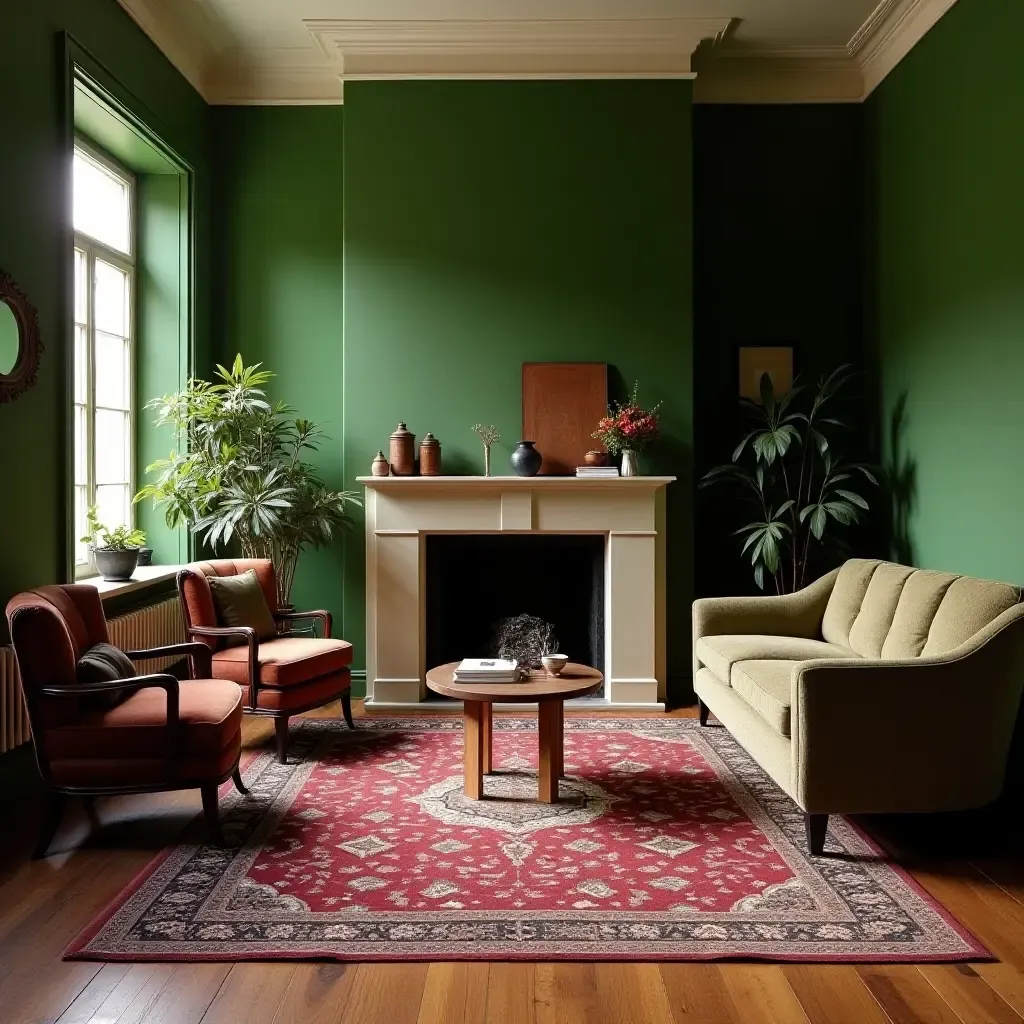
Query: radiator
point(154, 626)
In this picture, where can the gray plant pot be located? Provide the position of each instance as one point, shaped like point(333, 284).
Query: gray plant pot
point(116, 565)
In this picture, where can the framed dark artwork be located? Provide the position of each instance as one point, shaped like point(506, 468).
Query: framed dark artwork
point(757, 360)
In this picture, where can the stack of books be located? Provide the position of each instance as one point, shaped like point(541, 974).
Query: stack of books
point(599, 472)
point(487, 670)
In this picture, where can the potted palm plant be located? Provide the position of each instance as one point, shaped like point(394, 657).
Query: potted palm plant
point(115, 552)
point(789, 471)
point(239, 475)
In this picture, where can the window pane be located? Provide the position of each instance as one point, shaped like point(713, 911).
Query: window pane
point(81, 549)
point(112, 447)
point(111, 369)
point(112, 506)
point(81, 449)
point(80, 287)
point(101, 202)
point(110, 300)
point(81, 366)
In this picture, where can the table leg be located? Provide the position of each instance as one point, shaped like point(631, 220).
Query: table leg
point(472, 738)
point(486, 729)
point(549, 733)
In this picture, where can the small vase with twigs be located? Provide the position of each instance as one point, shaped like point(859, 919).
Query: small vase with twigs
point(488, 436)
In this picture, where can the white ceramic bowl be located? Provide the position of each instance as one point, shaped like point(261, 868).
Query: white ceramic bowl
point(554, 663)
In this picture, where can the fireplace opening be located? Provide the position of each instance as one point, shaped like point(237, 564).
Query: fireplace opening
point(473, 582)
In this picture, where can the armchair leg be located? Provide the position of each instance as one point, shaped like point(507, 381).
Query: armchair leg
point(346, 708)
point(212, 812)
point(51, 819)
point(704, 712)
point(236, 778)
point(817, 828)
point(281, 736)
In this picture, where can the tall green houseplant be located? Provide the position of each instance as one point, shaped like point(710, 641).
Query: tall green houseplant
point(239, 473)
point(788, 470)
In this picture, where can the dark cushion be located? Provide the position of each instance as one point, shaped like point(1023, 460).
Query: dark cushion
point(103, 663)
point(240, 601)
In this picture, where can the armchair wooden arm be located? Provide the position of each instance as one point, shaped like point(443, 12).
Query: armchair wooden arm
point(198, 654)
point(164, 681)
point(320, 613)
point(252, 641)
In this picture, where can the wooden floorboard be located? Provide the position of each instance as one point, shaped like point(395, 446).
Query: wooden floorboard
point(43, 905)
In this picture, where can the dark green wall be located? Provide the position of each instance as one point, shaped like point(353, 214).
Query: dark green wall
point(491, 223)
point(35, 244)
point(279, 259)
point(778, 260)
point(947, 174)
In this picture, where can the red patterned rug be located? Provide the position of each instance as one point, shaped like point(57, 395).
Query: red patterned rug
point(668, 843)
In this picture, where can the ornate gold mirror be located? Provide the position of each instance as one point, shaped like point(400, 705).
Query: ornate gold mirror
point(20, 344)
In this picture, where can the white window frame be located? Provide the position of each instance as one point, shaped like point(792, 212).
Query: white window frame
point(126, 262)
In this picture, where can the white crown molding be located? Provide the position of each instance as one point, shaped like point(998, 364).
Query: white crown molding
point(513, 48)
point(187, 47)
point(847, 74)
point(547, 48)
point(893, 30)
point(780, 75)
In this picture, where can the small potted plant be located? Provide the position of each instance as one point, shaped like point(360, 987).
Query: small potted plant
point(627, 430)
point(116, 552)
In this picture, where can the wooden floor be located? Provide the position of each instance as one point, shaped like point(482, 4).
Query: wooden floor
point(968, 863)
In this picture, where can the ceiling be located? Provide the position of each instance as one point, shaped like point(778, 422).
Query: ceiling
point(302, 51)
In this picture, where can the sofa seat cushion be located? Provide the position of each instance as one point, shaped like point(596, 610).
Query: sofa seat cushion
point(720, 653)
point(286, 661)
point(767, 687)
point(209, 715)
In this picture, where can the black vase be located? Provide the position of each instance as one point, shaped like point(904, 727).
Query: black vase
point(526, 460)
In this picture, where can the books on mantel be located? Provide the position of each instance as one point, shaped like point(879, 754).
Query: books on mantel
point(487, 670)
point(597, 472)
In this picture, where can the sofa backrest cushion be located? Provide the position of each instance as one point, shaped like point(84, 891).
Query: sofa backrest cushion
point(884, 610)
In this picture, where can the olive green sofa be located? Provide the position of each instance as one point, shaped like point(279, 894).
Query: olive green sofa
point(879, 688)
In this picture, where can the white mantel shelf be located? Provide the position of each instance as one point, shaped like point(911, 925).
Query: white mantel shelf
point(384, 483)
point(403, 511)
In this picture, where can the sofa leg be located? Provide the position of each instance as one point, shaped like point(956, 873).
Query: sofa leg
point(211, 812)
point(236, 778)
point(817, 828)
point(704, 712)
point(51, 820)
point(281, 735)
point(346, 708)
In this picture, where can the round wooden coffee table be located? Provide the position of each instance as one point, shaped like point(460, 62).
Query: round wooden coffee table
point(478, 700)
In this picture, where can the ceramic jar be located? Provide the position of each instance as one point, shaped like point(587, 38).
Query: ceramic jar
point(526, 460)
point(430, 456)
point(380, 465)
point(403, 451)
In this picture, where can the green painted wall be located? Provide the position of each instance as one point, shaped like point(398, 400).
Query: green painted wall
point(280, 241)
point(947, 170)
point(35, 245)
point(491, 223)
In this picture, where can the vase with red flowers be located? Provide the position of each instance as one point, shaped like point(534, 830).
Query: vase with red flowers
point(627, 430)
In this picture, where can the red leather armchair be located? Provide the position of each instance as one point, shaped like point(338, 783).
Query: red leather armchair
point(162, 734)
point(281, 677)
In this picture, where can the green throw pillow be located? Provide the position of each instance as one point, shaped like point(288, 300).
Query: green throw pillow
point(239, 601)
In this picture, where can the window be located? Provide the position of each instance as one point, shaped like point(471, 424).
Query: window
point(104, 271)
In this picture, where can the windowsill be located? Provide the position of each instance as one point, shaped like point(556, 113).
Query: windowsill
point(143, 577)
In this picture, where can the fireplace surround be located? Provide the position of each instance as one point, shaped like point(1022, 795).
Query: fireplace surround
point(423, 531)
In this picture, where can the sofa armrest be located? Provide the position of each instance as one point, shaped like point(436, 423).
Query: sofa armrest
point(920, 734)
point(798, 614)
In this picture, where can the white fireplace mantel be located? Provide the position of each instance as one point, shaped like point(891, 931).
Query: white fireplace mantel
point(628, 511)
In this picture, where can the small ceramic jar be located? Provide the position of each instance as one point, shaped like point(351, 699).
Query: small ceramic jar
point(380, 465)
point(430, 456)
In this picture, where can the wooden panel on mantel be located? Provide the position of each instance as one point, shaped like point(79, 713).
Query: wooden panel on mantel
point(562, 403)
